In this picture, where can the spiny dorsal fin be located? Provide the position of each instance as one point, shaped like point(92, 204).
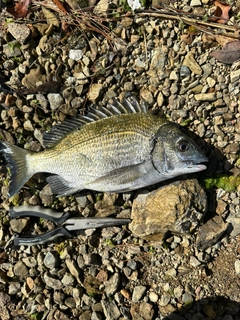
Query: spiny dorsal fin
point(59, 131)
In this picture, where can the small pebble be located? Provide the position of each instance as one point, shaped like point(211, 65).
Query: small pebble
point(237, 266)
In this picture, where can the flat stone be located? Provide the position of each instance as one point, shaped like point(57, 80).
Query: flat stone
point(52, 282)
point(171, 272)
point(153, 296)
point(19, 31)
point(68, 279)
point(105, 207)
point(46, 195)
point(237, 266)
point(177, 207)
point(139, 65)
point(112, 284)
point(187, 298)
point(70, 303)
point(73, 268)
point(207, 70)
point(138, 293)
point(234, 220)
point(30, 262)
point(55, 100)
point(211, 82)
point(160, 99)
point(191, 63)
point(95, 91)
point(159, 60)
point(194, 261)
point(232, 148)
point(141, 311)
point(12, 49)
point(210, 232)
point(164, 300)
point(51, 260)
point(174, 75)
point(101, 8)
point(184, 71)
point(75, 54)
point(110, 310)
point(27, 125)
point(195, 3)
point(147, 96)
point(18, 225)
point(20, 270)
point(14, 288)
point(211, 96)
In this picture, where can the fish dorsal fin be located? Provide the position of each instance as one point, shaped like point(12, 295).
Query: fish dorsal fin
point(59, 131)
point(128, 105)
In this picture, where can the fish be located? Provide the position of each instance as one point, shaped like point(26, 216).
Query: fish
point(117, 148)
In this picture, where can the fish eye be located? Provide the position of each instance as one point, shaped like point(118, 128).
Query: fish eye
point(183, 145)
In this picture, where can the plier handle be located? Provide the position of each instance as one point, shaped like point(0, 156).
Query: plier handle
point(64, 224)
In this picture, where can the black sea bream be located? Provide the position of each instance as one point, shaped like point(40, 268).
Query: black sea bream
point(114, 149)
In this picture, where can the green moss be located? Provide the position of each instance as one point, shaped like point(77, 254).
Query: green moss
point(110, 243)
point(171, 292)
point(7, 180)
point(124, 5)
point(13, 45)
point(223, 181)
point(143, 3)
point(60, 248)
point(14, 200)
point(37, 316)
point(185, 123)
point(151, 249)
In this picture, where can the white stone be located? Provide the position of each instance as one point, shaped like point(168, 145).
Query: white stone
point(211, 82)
point(153, 296)
point(237, 266)
point(75, 54)
point(55, 100)
point(195, 3)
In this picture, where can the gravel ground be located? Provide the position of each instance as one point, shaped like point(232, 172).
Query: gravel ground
point(110, 273)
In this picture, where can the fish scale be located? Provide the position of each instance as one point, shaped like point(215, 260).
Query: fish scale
point(107, 151)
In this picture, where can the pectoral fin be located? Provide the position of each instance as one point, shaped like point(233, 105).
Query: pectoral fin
point(120, 179)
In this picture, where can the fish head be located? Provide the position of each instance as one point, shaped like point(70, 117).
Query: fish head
point(175, 153)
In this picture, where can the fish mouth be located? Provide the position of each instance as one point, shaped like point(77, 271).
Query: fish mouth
point(198, 166)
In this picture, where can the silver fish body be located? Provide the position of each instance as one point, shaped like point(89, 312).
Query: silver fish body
point(118, 149)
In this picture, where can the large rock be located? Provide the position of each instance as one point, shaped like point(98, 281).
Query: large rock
point(177, 207)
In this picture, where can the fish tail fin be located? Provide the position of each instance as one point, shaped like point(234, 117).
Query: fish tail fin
point(17, 162)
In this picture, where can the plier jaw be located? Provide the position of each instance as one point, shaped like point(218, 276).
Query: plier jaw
point(63, 222)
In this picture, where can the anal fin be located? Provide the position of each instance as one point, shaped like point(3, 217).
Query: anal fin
point(60, 186)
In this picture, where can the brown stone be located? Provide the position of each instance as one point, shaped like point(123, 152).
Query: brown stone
point(210, 232)
point(177, 207)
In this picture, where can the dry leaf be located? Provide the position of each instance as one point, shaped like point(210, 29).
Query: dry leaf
point(222, 12)
point(229, 53)
point(51, 17)
point(60, 6)
point(21, 8)
point(223, 40)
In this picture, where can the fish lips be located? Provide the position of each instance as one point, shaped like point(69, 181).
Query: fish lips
point(195, 166)
point(187, 166)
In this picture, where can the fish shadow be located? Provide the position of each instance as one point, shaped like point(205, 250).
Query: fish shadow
point(214, 308)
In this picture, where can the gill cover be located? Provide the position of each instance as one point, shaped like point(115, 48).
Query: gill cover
point(173, 151)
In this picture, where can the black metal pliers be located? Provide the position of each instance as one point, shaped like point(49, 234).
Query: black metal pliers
point(63, 222)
